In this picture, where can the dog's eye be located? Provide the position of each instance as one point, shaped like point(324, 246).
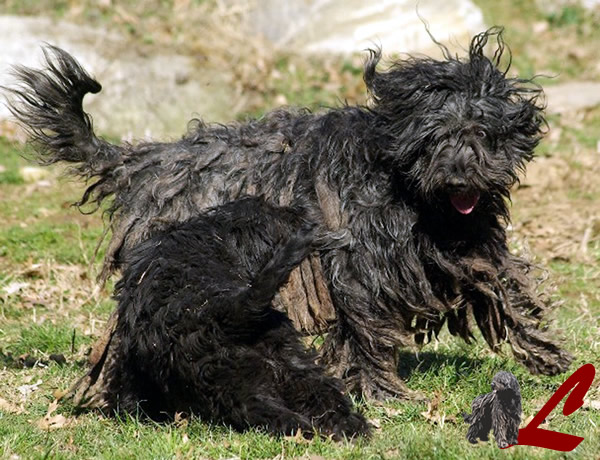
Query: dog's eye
point(481, 134)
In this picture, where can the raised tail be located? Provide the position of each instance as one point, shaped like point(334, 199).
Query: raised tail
point(48, 103)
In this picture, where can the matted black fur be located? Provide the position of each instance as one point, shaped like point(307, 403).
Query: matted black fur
point(410, 196)
point(499, 411)
point(196, 331)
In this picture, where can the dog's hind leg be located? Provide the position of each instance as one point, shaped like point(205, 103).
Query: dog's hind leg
point(367, 369)
point(320, 398)
point(480, 419)
point(271, 414)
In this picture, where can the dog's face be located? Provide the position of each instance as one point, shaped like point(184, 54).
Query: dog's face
point(459, 131)
point(504, 382)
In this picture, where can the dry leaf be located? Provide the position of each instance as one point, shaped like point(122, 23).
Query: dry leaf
point(53, 422)
point(7, 406)
point(181, 419)
point(393, 412)
point(59, 394)
point(375, 423)
point(591, 404)
point(433, 412)
point(52, 408)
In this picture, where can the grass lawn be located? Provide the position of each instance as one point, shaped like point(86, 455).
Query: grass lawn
point(50, 306)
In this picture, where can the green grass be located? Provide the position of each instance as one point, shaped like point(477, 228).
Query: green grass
point(45, 338)
point(59, 241)
point(10, 163)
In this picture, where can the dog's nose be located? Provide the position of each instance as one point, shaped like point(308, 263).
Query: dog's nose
point(457, 182)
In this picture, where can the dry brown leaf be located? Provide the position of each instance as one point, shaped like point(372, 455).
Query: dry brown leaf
point(393, 412)
point(181, 419)
point(433, 413)
point(7, 406)
point(53, 422)
point(375, 423)
point(59, 394)
point(52, 408)
point(592, 404)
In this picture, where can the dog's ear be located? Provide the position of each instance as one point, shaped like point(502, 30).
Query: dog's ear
point(481, 40)
point(370, 71)
point(401, 88)
point(523, 122)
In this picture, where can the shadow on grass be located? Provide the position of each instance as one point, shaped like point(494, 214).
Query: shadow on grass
point(435, 362)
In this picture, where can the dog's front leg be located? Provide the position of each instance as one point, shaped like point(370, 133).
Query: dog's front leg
point(361, 347)
point(532, 342)
point(362, 270)
point(367, 365)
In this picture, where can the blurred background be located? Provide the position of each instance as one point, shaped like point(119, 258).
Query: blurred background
point(163, 61)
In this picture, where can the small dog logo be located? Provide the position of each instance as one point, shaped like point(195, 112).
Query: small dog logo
point(499, 410)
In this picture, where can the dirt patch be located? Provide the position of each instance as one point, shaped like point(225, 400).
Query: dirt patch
point(557, 206)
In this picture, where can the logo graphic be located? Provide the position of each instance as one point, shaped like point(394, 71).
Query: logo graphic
point(500, 411)
point(580, 382)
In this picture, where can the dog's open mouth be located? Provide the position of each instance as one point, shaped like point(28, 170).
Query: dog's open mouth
point(464, 202)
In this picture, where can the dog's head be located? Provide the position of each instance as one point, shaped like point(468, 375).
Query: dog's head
point(505, 383)
point(456, 131)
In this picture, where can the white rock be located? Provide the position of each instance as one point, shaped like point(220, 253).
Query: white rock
point(348, 26)
point(142, 93)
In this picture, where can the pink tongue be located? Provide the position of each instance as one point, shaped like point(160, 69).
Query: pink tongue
point(464, 202)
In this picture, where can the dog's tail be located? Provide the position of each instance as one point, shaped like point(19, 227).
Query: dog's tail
point(275, 273)
point(48, 103)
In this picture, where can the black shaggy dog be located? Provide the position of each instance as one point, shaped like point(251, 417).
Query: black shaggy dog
point(499, 411)
point(196, 331)
point(410, 197)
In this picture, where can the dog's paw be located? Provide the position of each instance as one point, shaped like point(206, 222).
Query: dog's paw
point(539, 354)
point(350, 427)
